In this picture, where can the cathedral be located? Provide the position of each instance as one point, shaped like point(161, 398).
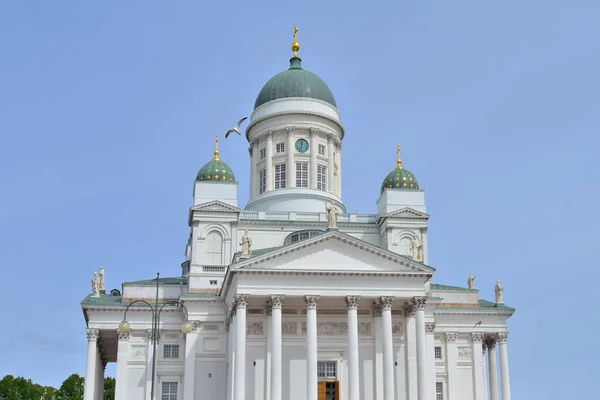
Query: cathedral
point(291, 297)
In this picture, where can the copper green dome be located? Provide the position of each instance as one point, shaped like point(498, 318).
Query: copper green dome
point(400, 178)
point(295, 82)
point(216, 170)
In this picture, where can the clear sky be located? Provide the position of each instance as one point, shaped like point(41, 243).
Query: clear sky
point(109, 108)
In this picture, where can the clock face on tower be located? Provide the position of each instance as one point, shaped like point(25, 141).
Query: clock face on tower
point(302, 145)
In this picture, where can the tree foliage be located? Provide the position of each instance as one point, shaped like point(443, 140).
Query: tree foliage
point(19, 388)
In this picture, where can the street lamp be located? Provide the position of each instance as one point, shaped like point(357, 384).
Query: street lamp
point(186, 326)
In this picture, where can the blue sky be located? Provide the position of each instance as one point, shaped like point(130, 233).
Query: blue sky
point(108, 109)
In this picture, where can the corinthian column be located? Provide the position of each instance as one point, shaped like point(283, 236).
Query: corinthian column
point(353, 367)
point(313, 158)
point(89, 389)
point(477, 354)
point(490, 343)
point(276, 305)
point(241, 302)
point(269, 162)
point(502, 336)
point(121, 375)
point(418, 304)
point(290, 180)
point(312, 385)
point(388, 347)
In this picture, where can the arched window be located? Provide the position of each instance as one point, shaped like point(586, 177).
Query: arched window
point(404, 246)
point(301, 235)
point(214, 249)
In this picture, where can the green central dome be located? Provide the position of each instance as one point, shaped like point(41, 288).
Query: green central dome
point(295, 82)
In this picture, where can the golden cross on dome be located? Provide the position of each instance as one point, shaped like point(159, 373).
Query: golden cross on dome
point(295, 45)
point(399, 161)
point(216, 158)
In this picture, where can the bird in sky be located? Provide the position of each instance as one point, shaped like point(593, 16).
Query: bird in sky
point(480, 320)
point(236, 128)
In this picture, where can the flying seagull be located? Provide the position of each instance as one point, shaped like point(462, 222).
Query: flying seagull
point(236, 128)
point(480, 320)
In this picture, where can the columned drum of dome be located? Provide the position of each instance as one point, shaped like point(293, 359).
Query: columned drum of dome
point(295, 82)
point(400, 178)
point(216, 170)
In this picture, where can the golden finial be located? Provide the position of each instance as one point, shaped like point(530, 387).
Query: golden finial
point(398, 161)
point(295, 45)
point(216, 158)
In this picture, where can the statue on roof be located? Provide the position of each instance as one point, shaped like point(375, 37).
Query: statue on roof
point(416, 248)
point(332, 215)
point(101, 287)
point(246, 244)
point(96, 285)
point(499, 289)
point(471, 281)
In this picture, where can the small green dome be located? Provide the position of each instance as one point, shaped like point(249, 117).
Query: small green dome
point(295, 82)
point(215, 170)
point(400, 178)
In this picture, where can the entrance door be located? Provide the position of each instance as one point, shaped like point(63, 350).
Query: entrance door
point(329, 390)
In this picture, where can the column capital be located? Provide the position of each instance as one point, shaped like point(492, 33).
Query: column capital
point(502, 337)
point(290, 130)
point(311, 301)
point(123, 335)
point(419, 303)
point(241, 301)
point(477, 337)
point(409, 310)
point(489, 342)
point(430, 327)
point(329, 139)
point(424, 229)
point(385, 302)
point(151, 336)
point(269, 135)
point(352, 302)
point(254, 142)
point(314, 131)
point(276, 300)
point(451, 337)
point(227, 324)
point(93, 334)
point(376, 309)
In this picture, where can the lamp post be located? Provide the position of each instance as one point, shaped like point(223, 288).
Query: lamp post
point(186, 326)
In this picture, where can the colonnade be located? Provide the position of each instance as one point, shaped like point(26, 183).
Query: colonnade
point(94, 370)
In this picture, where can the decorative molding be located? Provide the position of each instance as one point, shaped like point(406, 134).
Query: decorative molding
point(464, 353)
point(314, 131)
point(451, 337)
point(93, 334)
point(332, 328)
point(477, 337)
point(424, 229)
point(290, 130)
point(269, 135)
point(311, 301)
point(385, 302)
point(502, 337)
point(210, 327)
point(409, 310)
point(255, 311)
point(430, 327)
point(397, 328)
point(289, 328)
point(195, 223)
point(489, 343)
point(364, 329)
point(398, 312)
point(276, 300)
point(241, 301)
point(255, 329)
point(389, 228)
point(419, 303)
point(123, 335)
point(352, 302)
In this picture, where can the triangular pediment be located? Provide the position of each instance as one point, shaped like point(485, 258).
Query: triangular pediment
point(215, 206)
point(407, 213)
point(333, 253)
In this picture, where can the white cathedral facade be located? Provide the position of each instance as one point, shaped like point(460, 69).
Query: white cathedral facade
point(291, 297)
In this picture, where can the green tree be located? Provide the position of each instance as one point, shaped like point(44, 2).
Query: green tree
point(109, 388)
point(71, 388)
point(12, 388)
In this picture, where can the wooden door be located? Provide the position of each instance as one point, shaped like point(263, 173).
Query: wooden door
point(321, 391)
point(337, 390)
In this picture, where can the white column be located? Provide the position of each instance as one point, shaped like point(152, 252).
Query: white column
point(253, 175)
point(378, 356)
point(505, 381)
point(477, 354)
point(453, 384)
point(121, 373)
point(276, 305)
point(353, 367)
point(291, 165)
point(330, 165)
point(339, 171)
point(239, 392)
point(101, 371)
point(422, 381)
point(312, 169)
point(189, 372)
point(269, 162)
point(312, 382)
point(490, 344)
point(388, 347)
point(229, 328)
point(411, 353)
point(431, 373)
point(89, 390)
point(268, 360)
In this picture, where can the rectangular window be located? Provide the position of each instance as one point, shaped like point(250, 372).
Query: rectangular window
point(262, 181)
point(171, 351)
point(438, 352)
point(321, 174)
point(439, 391)
point(301, 174)
point(279, 176)
point(321, 150)
point(326, 370)
point(263, 153)
point(280, 147)
point(213, 282)
point(169, 391)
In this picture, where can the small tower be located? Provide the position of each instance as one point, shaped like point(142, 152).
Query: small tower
point(215, 181)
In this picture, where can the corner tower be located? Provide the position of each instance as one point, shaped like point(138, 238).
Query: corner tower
point(295, 138)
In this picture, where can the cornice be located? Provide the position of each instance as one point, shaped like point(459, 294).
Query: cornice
point(299, 113)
